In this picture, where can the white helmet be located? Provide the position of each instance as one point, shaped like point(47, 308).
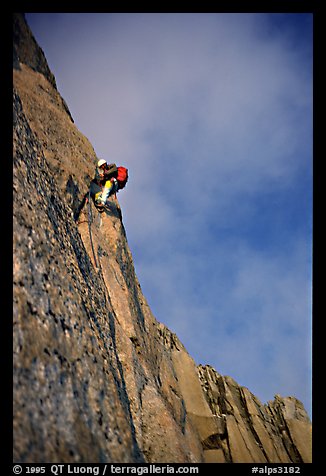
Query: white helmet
point(101, 162)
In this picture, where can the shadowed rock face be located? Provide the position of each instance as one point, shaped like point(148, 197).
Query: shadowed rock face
point(96, 377)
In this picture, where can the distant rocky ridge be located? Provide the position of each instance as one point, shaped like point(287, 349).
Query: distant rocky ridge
point(96, 377)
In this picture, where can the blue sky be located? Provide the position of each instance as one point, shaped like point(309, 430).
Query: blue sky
point(212, 114)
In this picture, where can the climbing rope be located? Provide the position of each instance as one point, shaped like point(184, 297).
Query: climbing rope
point(90, 221)
point(97, 264)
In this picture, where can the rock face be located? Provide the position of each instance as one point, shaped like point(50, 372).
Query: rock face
point(250, 431)
point(96, 377)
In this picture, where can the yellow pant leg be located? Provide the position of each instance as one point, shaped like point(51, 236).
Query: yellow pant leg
point(98, 196)
point(106, 190)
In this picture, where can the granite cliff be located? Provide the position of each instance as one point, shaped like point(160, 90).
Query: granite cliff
point(96, 377)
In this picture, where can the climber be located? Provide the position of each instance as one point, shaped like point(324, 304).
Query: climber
point(109, 179)
point(105, 178)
